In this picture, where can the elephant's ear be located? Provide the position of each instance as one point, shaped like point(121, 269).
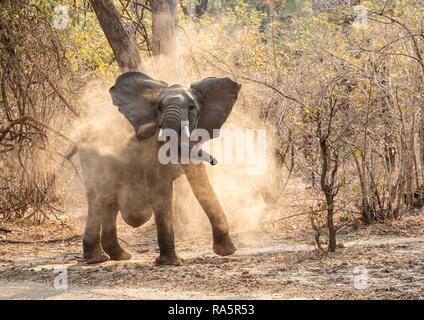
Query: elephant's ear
point(136, 94)
point(217, 97)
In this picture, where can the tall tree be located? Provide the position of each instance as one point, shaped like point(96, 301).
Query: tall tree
point(164, 40)
point(164, 26)
point(122, 44)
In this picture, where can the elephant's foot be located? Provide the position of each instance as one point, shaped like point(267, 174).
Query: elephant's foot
point(96, 256)
point(224, 246)
point(93, 252)
point(168, 260)
point(118, 253)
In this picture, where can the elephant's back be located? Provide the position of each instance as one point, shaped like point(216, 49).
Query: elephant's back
point(102, 143)
point(107, 134)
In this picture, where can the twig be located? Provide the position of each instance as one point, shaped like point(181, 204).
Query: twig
point(53, 130)
point(5, 230)
point(270, 86)
point(41, 241)
point(297, 215)
point(56, 90)
point(126, 242)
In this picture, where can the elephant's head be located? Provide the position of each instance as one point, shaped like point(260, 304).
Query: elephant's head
point(150, 105)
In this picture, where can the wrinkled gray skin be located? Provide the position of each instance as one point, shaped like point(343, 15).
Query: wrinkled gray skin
point(135, 183)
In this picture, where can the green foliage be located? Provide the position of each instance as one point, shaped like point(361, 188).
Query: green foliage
point(296, 7)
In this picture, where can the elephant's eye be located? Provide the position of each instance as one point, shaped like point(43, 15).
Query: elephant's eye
point(160, 107)
point(192, 107)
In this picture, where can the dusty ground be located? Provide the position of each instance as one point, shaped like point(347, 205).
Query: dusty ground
point(275, 261)
point(276, 257)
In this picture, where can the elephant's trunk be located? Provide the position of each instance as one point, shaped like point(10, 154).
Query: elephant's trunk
point(205, 156)
point(199, 154)
point(176, 118)
point(172, 118)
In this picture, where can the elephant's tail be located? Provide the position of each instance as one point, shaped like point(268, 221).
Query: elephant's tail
point(73, 149)
point(67, 157)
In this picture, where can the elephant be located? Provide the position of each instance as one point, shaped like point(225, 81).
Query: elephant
point(135, 183)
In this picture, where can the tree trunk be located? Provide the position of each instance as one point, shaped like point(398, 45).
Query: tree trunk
point(328, 188)
point(201, 8)
point(164, 39)
point(122, 44)
point(164, 25)
point(332, 242)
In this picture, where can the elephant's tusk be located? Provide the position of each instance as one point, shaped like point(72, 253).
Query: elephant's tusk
point(161, 135)
point(186, 132)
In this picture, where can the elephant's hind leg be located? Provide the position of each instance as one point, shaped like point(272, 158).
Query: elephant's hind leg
point(93, 251)
point(110, 242)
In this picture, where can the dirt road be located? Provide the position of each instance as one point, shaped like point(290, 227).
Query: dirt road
point(385, 265)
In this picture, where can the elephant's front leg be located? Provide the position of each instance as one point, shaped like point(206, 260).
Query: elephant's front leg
point(159, 184)
point(202, 189)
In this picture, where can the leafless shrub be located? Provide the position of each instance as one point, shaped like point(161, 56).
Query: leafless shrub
point(33, 73)
point(357, 134)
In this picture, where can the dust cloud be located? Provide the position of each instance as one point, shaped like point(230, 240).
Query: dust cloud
point(240, 187)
